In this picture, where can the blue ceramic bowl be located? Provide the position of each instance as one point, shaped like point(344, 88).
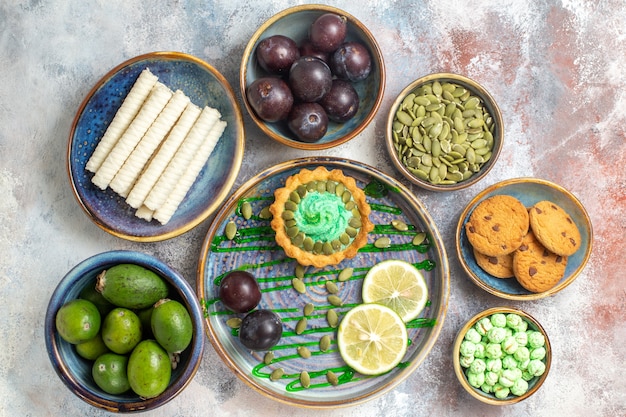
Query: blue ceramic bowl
point(205, 86)
point(294, 23)
point(529, 191)
point(75, 371)
point(489, 398)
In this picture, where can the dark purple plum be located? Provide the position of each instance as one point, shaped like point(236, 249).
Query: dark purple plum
point(271, 98)
point(307, 49)
point(277, 53)
point(351, 61)
point(260, 330)
point(310, 79)
point(239, 291)
point(308, 121)
point(328, 31)
point(342, 101)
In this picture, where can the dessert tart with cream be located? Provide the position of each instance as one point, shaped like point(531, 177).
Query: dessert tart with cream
point(320, 217)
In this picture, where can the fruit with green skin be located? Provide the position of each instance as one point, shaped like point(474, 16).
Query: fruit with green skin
point(121, 330)
point(171, 325)
point(92, 348)
point(91, 294)
point(109, 373)
point(149, 369)
point(78, 321)
point(131, 286)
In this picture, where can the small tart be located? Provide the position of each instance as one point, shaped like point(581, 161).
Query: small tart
point(320, 217)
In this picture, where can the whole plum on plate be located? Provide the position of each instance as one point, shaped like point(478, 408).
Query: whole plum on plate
point(239, 291)
point(260, 330)
point(310, 79)
point(351, 61)
point(271, 98)
point(328, 31)
point(277, 53)
point(342, 101)
point(308, 121)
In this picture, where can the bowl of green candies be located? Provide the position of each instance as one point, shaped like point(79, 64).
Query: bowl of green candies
point(444, 132)
point(502, 356)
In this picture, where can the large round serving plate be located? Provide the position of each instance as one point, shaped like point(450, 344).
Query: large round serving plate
point(254, 250)
point(205, 86)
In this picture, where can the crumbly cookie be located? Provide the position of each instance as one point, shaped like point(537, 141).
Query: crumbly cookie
point(554, 228)
point(535, 267)
point(497, 266)
point(497, 225)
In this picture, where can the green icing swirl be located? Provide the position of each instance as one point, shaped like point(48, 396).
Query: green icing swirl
point(322, 216)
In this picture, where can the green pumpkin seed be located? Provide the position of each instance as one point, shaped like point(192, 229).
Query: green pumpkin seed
point(299, 271)
point(305, 379)
point(246, 210)
point(294, 197)
point(308, 244)
point(419, 238)
point(288, 215)
point(351, 231)
point(335, 300)
point(234, 322)
point(344, 238)
point(304, 352)
point(331, 287)
point(355, 222)
point(382, 242)
point(268, 358)
point(325, 343)
point(277, 374)
point(298, 285)
point(292, 231)
point(265, 213)
point(298, 239)
point(308, 309)
point(230, 231)
point(291, 206)
point(332, 318)
point(399, 225)
point(301, 325)
point(345, 274)
point(332, 379)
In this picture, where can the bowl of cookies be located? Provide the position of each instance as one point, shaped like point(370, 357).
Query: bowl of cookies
point(502, 356)
point(444, 132)
point(524, 238)
point(312, 77)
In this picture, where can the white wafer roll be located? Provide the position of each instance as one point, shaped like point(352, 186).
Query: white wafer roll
point(130, 171)
point(123, 117)
point(164, 154)
point(164, 213)
point(185, 153)
point(144, 213)
point(154, 104)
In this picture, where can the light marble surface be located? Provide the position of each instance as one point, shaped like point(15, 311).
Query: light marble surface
point(557, 69)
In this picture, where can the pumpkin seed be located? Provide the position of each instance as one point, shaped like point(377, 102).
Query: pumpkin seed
point(331, 287)
point(382, 242)
point(419, 238)
point(298, 239)
point(294, 197)
point(277, 374)
point(304, 352)
point(345, 274)
point(268, 358)
point(332, 318)
point(308, 244)
point(234, 322)
point(308, 309)
point(299, 271)
point(335, 300)
point(301, 325)
point(325, 343)
point(230, 231)
point(265, 213)
point(305, 379)
point(298, 285)
point(399, 225)
point(332, 379)
point(246, 210)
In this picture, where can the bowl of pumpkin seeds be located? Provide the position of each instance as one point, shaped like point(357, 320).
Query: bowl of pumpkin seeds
point(444, 132)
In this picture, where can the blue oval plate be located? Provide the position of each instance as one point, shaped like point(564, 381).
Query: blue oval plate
point(254, 250)
point(529, 191)
point(205, 86)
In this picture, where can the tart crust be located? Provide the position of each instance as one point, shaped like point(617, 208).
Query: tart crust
point(304, 257)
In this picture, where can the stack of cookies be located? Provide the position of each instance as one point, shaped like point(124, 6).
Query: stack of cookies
point(529, 244)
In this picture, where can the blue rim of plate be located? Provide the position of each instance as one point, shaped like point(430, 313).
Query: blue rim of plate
point(254, 250)
point(509, 288)
point(205, 86)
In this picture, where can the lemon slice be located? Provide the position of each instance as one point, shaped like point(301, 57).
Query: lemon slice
point(398, 285)
point(372, 339)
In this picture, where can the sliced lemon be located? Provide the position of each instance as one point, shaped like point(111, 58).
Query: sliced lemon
point(372, 339)
point(398, 285)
